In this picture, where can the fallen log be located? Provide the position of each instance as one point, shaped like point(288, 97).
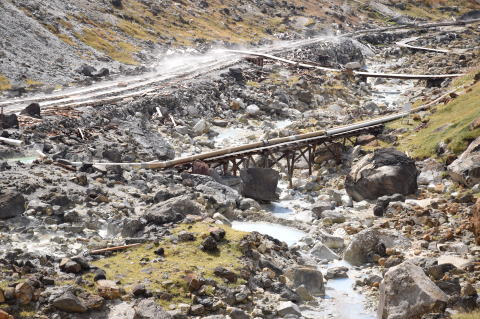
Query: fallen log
point(355, 73)
point(404, 44)
point(103, 250)
point(10, 141)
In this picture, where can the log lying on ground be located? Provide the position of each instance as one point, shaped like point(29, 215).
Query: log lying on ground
point(10, 141)
point(104, 250)
point(355, 73)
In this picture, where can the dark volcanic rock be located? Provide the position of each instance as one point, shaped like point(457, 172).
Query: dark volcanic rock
point(9, 121)
point(32, 110)
point(225, 273)
point(259, 183)
point(209, 244)
point(383, 172)
point(12, 204)
point(86, 70)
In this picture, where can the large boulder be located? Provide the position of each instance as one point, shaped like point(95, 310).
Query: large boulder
point(310, 278)
point(259, 183)
point(406, 292)
point(383, 172)
point(466, 168)
point(370, 242)
point(12, 203)
point(172, 210)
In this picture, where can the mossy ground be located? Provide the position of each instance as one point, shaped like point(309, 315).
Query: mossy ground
point(470, 315)
point(181, 260)
point(432, 9)
point(449, 124)
point(4, 83)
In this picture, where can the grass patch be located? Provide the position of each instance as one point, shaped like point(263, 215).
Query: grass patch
point(169, 275)
point(107, 42)
point(4, 83)
point(31, 82)
point(65, 38)
point(470, 315)
point(450, 124)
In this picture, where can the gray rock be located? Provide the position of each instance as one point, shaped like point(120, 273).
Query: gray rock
point(366, 243)
point(288, 308)
point(200, 127)
point(332, 216)
point(68, 302)
point(323, 252)
point(332, 242)
point(149, 309)
point(336, 272)
point(407, 293)
point(12, 204)
point(252, 109)
point(383, 172)
point(310, 278)
point(237, 313)
point(259, 183)
point(172, 210)
point(320, 206)
point(353, 65)
point(466, 168)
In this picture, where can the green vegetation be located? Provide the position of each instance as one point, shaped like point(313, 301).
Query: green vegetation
point(449, 124)
point(470, 315)
point(181, 262)
point(4, 83)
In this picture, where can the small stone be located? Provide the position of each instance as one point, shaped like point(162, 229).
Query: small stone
point(468, 290)
point(194, 284)
point(72, 267)
point(99, 274)
point(160, 252)
point(24, 293)
point(209, 244)
point(68, 302)
point(236, 313)
point(197, 310)
point(288, 308)
point(5, 315)
point(225, 273)
point(218, 233)
point(184, 236)
point(139, 290)
point(108, 289)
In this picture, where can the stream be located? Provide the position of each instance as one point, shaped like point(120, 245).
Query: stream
point(342, 300)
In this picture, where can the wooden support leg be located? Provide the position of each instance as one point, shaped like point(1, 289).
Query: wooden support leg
point(234, 167)
point(310, 160)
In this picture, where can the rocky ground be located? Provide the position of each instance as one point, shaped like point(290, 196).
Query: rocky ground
point(373, 229)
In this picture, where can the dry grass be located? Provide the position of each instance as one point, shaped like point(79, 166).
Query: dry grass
point(109, 43)
point(4, 83)
point(470, 315)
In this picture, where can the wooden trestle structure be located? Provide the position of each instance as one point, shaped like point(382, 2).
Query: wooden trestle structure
point(290, 153)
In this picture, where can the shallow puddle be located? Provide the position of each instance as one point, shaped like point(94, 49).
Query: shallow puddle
point(283, 233)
